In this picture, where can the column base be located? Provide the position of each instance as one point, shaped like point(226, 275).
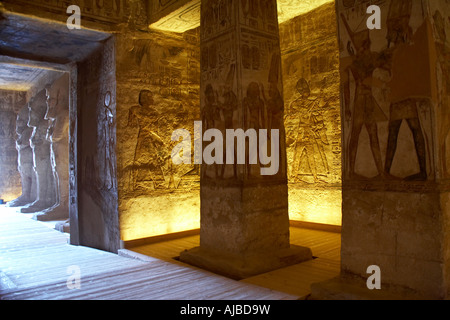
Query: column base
point(239, 267)
point(355, 288)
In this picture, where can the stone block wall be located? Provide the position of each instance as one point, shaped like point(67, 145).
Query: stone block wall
point(10, 104)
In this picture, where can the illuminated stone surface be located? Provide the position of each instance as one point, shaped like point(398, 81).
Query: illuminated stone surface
point(312, 115)
point(180, 16)
point(156, 196)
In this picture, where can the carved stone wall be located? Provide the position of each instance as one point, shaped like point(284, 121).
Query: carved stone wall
point(311, 78)
point(10, 104)
point(164, 70)
point(96, 156)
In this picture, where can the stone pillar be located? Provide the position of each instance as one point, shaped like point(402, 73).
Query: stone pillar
point(395, 94)
point(244, 210)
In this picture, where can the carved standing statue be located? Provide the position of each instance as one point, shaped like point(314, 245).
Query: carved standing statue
point(25, 160)
point(58, 135)
point(46, 188)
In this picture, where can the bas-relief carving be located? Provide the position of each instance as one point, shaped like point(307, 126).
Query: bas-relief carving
point(311, 137)
point(108, 148)
point(256, 59)
point(311, 89)
point(98, 116)
point(152, 168)
point(217, 17)
point(164, 98)
point(390, 99)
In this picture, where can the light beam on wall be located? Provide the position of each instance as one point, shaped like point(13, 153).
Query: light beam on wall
point(182, 16)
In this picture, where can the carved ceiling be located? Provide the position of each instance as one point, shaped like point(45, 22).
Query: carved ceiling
point(180, 16)
point(42, 41)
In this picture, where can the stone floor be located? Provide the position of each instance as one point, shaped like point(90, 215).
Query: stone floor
point(36, 262)
point(295, 280)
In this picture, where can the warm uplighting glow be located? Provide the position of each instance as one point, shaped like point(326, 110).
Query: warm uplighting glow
point(316, 205)
point(145, 217)
point(187, 17)
point(9, 196)
point(288, 9)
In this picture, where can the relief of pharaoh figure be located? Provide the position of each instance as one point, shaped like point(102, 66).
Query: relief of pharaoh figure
point(367, 112)
point(146, 160)
point(25, 160)
point(408, 91)
point(58, 135)
point(46, 189)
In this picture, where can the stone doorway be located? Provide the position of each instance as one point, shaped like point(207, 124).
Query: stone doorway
point(87, 60)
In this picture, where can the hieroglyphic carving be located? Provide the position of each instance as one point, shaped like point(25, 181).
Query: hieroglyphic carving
point(145, 117)
point(109, 124)
point(217, 17)
point(241, 62)
point(152, 168)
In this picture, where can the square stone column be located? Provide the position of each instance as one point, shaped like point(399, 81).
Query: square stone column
point(244, 210)
point(395, 102)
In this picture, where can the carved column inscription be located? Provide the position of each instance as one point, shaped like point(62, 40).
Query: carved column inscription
point(243, 213)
